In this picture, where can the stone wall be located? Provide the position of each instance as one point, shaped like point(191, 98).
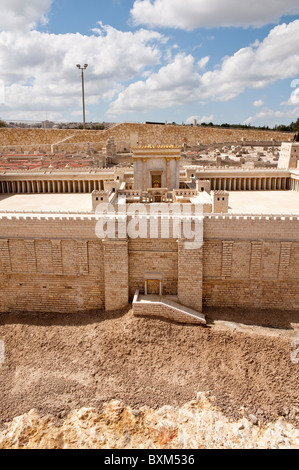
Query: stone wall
point(116, 274)
point(51, 275)
point(190, 268)
point(55, 264)
point(153, 256)
point(251, 273)
point(145, 134)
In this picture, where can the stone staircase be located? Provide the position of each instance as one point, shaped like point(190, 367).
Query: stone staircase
point(165, 307)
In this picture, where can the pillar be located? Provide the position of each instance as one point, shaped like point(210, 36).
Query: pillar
point(144, 188)
point(256, 259)
point(5, 256)
point(269, 184)
point(284, 186)
point(284, 260)
point(116, 272)
point(31, 256)
point(57, 257)
point(190, 274)
point(168, 173)
point(227, 255)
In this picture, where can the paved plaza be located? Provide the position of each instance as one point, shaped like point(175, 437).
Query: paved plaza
point(240, 202)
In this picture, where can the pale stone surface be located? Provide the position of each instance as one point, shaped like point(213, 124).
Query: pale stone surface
point(264, 202)
point(47, 250)
point(33, 139)
point(46, 202)
point(240, 202)
point(196, 425)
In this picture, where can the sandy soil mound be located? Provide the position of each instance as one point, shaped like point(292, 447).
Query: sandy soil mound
point(59, 363)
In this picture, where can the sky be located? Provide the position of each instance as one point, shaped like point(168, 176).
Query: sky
point(220, 61)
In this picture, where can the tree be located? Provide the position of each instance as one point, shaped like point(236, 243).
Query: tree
point(293, 127)
point(2, 123)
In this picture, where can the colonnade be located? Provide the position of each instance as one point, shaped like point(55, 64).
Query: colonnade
point(50, 186)
point(295, 185)
point(87, 186)
point(251, 184)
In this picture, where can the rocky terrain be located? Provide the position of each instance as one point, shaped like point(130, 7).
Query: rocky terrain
point(99, 380)
point(196, 425)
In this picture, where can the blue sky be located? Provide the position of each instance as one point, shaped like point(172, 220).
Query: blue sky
point(151, 60)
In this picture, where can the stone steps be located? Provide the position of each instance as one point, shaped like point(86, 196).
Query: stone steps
point(161, 306)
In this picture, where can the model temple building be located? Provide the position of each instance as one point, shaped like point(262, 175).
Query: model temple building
point(54, 257)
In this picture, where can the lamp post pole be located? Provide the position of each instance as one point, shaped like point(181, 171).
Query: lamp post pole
point(83, 97)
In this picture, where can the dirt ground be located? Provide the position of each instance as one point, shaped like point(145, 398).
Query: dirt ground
point(57, 363)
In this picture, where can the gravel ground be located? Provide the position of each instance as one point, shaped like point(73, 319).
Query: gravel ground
point(58, 363)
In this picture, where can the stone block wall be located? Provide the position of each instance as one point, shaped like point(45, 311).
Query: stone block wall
point(116, 274)
point(55, 264)
point(153, 256)
point(145, 134)
point(251, 273)
point(51, 275)
point(190, 276)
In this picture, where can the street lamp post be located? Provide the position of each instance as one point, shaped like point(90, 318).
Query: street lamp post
point(83, 97)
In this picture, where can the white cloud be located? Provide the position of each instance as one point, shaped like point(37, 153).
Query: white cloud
point(41, 74)
point(273, 117)
point(294, 98)
point(192, 14)
point(175, 83)
point(258, 103)
point(276, 58)
point(180, 82)
point(199, 119)
point(248, 121)
point(203, 62)
point(19, 15)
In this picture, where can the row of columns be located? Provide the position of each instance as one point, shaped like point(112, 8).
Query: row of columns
point(295, 185)
point(250, 184)
point(50, 186)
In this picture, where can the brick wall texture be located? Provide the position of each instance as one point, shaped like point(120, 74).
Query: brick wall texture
point(61, 266)
point(64, 139)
